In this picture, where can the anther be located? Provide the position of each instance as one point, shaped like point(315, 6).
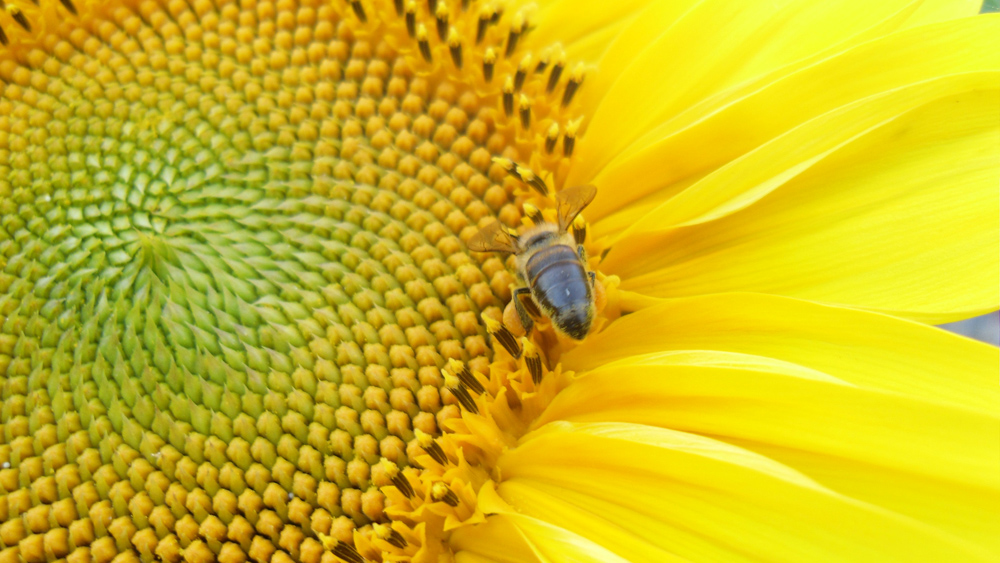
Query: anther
point(398, 479)
point(579, 229)
point(543, 63)
point(442, 493)
point(411, 19)
point(554, 75)
point(507, 164)
point(504, 337)
point(347, 552)
point(385, 532)
point(489, 61)
point(465, 5)
point(458, 389)
point(403, 485)
point(533, 213)
point(399, 7)
point(441, 15)
point(532, 360)
point(18, 16)
point(496, 15)
point(455, 47)
point(575, 79)
point(359, 10)
point(3, 37)
point(423, 43)
point(522, 72)
point(532, 179)
point(432, 448)
point(508, 96)
point(525, 109)
point(570, 139)
point(465, 376)
point(432, 6)
point(484, 23)
point(69, 6)
point(515, 32)
point(551, 137)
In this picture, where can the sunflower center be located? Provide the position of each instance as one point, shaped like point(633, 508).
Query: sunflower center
point(232, 269)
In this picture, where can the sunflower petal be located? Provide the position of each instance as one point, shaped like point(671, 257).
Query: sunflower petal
point(709, 37)
point(855, 228)
point(514, 538)
point(873, 446)
point(709, 491)
point(861, 348)
point(757, 405)
point(634, 38)
point(602, 522)
point(585, 27)
point(469, 557)
point(697, 138)
point(760, 172)
point(962, 511)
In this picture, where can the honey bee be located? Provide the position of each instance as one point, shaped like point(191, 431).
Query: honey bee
point(551, 266)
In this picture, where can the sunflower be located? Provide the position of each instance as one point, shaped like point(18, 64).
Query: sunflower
point(239, 319)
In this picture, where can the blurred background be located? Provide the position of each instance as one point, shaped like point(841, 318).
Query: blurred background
point(985, 328)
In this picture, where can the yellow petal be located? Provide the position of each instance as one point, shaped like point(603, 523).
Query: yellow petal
point(901, 220)
point(757, 405)
point(498, 539)
point(734, 360)
point(765, 169)
point(861, 348)
point(937, 465)
point(962, 511)
point(513, 538)
point(708, 37)
point(713, 46)
point(584, 27)
point(641, 539)
point(468, 557)
point(694, 140)
point(709, 492)
point(656, 19)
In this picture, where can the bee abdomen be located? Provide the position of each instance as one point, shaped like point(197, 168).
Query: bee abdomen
point(560, 285)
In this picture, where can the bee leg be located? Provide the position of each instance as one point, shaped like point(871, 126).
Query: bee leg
point(582, 252)
point(522, 312)
point(593, 278)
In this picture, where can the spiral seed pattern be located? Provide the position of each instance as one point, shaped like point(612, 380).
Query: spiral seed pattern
point(232, 263)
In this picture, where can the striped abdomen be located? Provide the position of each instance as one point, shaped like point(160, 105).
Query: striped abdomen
point(560, 286)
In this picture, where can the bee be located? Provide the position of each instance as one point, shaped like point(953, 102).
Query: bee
point(551, 266)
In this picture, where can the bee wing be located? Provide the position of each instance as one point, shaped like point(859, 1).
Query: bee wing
point(570, 202)
point(493, 238)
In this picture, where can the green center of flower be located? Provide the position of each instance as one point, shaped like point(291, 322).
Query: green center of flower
point(233, 271)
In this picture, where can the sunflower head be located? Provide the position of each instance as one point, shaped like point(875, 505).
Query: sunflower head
point(242, 316)
point(238, 311)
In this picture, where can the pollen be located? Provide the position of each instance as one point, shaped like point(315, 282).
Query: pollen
point(238, 319)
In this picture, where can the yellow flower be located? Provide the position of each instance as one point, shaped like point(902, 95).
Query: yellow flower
point(238, 319)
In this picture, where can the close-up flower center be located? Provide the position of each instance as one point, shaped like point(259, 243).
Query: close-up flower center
point(491, 281)
point(238, 311)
